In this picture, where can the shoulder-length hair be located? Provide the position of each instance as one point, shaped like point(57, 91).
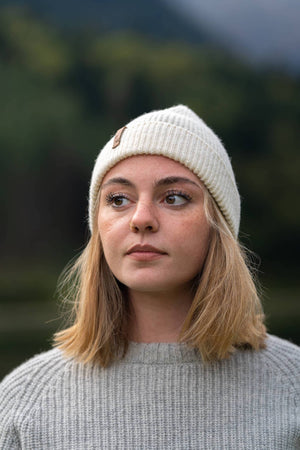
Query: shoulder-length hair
point(225, 313)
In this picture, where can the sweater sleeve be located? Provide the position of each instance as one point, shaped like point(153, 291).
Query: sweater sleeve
point(9, 396)
point(19, 394)
point(8, 439)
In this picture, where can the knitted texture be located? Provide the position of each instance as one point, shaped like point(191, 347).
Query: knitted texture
point(177, 133)
point(160, 396)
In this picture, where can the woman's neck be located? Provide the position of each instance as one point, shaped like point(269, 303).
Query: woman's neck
point(157, 317)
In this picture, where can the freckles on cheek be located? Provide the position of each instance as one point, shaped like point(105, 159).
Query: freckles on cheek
point(104, 226)
point(104, 221)
point(193, 225)
point(103, 230)
point(112, 227)
point(193, 232)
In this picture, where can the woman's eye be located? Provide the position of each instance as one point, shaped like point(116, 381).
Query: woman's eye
point(117, 201)
point(176, 199)
point(120, 201)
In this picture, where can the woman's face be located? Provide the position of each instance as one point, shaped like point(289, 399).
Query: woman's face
point(152, 224)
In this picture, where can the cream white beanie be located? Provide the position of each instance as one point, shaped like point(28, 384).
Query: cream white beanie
point(177, 133)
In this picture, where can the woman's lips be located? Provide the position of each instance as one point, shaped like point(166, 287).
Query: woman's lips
point(145, 252)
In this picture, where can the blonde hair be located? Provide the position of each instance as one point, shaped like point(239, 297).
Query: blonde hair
point(225, 314)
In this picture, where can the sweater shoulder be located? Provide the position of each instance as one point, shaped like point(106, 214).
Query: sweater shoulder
point(21, 389)
point(283, 358)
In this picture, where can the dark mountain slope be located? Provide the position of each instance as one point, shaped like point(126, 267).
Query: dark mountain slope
point(154, 18)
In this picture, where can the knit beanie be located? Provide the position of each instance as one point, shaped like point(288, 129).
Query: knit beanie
point(176, 133)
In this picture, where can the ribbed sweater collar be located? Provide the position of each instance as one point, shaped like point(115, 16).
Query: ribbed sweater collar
point(160, 353)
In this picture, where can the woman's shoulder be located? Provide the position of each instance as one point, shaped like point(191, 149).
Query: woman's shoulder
point(39, 365)
point(23, 386)
point(282, 357)
point(280, 350)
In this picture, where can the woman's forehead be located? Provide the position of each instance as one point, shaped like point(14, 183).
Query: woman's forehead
point(151, 165)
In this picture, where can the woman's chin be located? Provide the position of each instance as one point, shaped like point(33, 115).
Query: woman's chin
point(155, 286)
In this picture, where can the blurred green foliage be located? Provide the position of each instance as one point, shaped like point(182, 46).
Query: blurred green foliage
point(62, 97)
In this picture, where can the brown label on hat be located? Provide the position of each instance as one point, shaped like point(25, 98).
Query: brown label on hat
point(118, 136)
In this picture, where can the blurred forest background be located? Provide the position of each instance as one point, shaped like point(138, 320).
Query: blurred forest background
point(67, 82)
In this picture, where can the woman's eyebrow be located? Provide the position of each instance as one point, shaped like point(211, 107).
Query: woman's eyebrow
point(162, 182)
point(174, 179)
point(117, 180)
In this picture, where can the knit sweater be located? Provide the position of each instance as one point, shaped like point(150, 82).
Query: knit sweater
point(160, 396)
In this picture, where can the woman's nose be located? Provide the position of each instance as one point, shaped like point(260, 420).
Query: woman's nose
point(144, 218)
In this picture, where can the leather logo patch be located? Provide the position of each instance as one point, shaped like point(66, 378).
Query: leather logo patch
point(118, 136)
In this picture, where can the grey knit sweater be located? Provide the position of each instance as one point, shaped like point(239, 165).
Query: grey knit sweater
point(161, 396)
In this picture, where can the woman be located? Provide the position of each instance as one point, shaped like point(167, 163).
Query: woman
point(167, 349)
